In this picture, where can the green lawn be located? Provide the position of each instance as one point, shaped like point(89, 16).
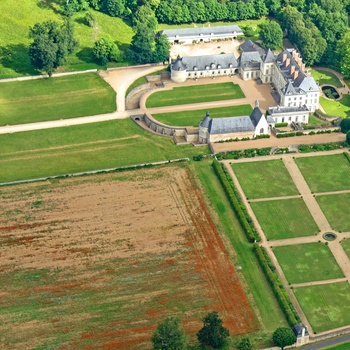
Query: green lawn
point(324, 77)
point(314, 121)
point(307, 262)
point(336, 209)
point(264, 179)
point(192, 118)
point(346, 246)
point(17, 16)
point(340, 108)
point(326, 306)
point(195, 94)
point(325, 173)
point(55, 98)
point(345, 346)
point(286, 218)
point(258, 288)
point(78, 148)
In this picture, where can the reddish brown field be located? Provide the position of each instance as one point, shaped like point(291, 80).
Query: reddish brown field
point(97, 262)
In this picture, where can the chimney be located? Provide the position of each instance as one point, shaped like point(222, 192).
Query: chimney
point(284, 57)
point(287, 62)
point(295, 75)
point(303, 331)
point(292, 69)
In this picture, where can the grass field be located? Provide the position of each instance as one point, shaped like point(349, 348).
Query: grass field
point(314, 121)
point(346, 246)
point(324, 77)
point(84, 147)
point(264, 179)
point(326, 306)
point(75, 275)
point(17, 16)
point(340, 108)
point(287, 218)
point(345, 346)
point(258, 289)
point(194, 94)
point(336, 210)
point(192, 118)
point(325, 173)
point(65, 97)
point(307, 262)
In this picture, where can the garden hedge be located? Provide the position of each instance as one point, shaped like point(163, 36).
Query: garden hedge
point(236, 203)
point(276, 285)
point(347, 156)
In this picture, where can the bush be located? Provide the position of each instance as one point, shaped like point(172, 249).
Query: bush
point(348, 137)
point(345, 125)
point(105, 50)
point(280, 125)
point(276, 285)
point(236, 203)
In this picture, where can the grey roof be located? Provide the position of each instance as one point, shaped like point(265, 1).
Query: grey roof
point(270, 120)
point(178, 65)
point(255, 116)
point(248, 46)
point(308, 84)
point(298, 330)
point(201, 62)
point(278, 110)
point(250, 60)
point(270, 57)
point(230, 124)
point(205, 122)
point(183, 32)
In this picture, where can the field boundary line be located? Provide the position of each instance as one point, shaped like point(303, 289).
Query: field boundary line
point(43, 76)
point(93, 172)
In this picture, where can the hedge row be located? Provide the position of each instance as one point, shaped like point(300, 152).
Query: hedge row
point(300, 133)
point(347, 156)
point(322, 147)
point(247, 153)
point(280, 125)
point(276, 285)
point(236, 203)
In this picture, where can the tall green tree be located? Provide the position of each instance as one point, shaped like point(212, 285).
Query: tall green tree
point(271, 34)
point(283, 337)
point(343, 49)
point(52, 43)
point(169, 336)
point(162, 48)
point(345, 125)
point(105, 50)
point(142, 44)
point(213, 332)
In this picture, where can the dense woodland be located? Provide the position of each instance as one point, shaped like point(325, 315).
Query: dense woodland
point(319, 28)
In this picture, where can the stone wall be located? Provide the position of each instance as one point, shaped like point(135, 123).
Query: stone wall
point(136, 90)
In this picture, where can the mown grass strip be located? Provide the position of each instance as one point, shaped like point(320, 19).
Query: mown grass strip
point(79, 148)
point(64, 97)
point(192, 118)
point(258, 287)
point(195, 94)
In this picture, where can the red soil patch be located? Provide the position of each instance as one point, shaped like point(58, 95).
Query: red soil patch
point(112, 260)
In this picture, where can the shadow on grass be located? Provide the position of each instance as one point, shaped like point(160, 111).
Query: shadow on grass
point(49, 5)
point(86, 55)
point(16, 58)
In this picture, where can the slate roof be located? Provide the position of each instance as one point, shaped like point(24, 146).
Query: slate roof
point(179, 65)
point(255, 116)
point(205, 122)
point(230, 124)
point(183, 32)
point(250, 60)
point(278, 110)
point(269, 57)
point(201, 62)
point(298, 330)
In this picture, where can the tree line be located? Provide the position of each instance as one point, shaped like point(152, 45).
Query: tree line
point(319, 28)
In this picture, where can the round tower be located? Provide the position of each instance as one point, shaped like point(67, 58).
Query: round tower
point(203, 129)
point(178, 71)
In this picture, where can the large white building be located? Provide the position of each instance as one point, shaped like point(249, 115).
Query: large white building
point(201, 34)
point(298, 93)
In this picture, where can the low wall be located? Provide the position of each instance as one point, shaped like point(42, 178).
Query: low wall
point(43, 76)
point(163, 129)
point(317, 338)
point(136, 66)
point(136, 90)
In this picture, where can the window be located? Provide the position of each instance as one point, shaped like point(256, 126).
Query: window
point(290, 118)
point(296, 118)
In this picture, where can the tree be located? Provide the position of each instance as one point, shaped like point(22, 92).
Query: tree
point(144, 14)
point(168, 336)
point(51, 45)
point(343, 49)
point(105, 50)
point(244, 344)
point(271, 34)
point(161, 51)
point(283, 336)
point(142, 44)
point(213, 332)
point(114, 8)
point(348, 137)
point(345, 125)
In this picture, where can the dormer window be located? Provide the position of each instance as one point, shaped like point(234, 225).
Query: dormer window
point(219, 66)
point(206, 67)
point(212, 65)
point(195, 68)
point(230, 65)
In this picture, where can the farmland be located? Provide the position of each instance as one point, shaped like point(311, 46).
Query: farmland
point(40, 100)
point(294, 218)
point(194, 94)
point(272, 177)
point(63, 248)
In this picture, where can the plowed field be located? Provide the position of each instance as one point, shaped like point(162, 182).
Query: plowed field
point(97, 262)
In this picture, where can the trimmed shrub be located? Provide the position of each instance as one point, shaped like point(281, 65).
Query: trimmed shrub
point(276, 285)
point(280, 125)
point(345, 125)
point(236, 203)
